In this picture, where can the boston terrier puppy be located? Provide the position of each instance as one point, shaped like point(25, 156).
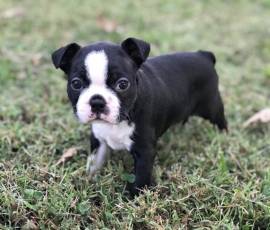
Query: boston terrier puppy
point(131, 100)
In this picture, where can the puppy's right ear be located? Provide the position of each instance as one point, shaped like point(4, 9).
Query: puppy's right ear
point(138, 50)
point(62, 58)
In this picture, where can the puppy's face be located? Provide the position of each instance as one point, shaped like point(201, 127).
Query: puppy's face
point(102, 82)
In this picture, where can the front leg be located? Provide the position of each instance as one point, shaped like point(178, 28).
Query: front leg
point(97, 158)
point(144, 155)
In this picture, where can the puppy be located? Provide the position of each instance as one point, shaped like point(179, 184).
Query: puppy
point(131, 100)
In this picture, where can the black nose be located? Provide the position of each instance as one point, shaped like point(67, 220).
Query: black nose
point(97, 103)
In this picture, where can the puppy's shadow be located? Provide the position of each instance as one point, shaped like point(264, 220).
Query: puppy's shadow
point(123, 157)
point(181, 142)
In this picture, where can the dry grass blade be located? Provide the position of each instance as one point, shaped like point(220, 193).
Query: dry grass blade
point(30, 225)
point(262, 116)
point(15, 12)
point(67, 155)
point(36, 59)
point(74, 202)
point(106, 24)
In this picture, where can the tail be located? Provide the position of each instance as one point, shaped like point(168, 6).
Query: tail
point(209, 55)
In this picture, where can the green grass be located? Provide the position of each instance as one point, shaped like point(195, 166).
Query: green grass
point(205, 179)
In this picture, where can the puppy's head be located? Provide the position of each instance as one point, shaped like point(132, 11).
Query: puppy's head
point(102, 77)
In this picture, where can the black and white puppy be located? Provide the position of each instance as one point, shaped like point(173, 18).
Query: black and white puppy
point(131, 100)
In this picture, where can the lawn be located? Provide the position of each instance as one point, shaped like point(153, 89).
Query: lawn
point(205, 179)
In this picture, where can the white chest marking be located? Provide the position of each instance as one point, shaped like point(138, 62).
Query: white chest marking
point(117, 136)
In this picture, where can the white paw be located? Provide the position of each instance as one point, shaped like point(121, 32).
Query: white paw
point(91, 167)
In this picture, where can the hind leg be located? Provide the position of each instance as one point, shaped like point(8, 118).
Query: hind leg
point(213, 110)
point(219, 118)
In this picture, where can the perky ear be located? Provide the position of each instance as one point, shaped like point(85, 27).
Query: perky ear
point(137, 50)
point(62, 57)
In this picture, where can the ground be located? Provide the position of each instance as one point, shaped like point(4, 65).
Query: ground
point(205, 179)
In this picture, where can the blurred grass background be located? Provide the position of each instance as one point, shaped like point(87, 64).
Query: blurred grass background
point(205, 179)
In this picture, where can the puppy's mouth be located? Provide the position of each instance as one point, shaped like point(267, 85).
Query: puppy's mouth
point(97, 116)
point(102, 116)
point(105, 117)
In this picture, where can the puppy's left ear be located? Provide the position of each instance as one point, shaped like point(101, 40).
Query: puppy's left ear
point(62, 58)
point(138, 50)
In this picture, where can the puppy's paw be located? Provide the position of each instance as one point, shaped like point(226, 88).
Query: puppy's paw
point(91, 167)
point(135, 190)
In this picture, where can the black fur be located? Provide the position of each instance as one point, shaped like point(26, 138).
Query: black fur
point(94, 142)
point(171, 89)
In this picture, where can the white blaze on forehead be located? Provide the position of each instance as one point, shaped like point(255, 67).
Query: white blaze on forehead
point(96, 63)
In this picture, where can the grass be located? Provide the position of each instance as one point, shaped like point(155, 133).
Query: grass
point(206, 180)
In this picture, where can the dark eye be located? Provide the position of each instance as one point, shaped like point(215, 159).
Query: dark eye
point(122, 85)
point(76, 84)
